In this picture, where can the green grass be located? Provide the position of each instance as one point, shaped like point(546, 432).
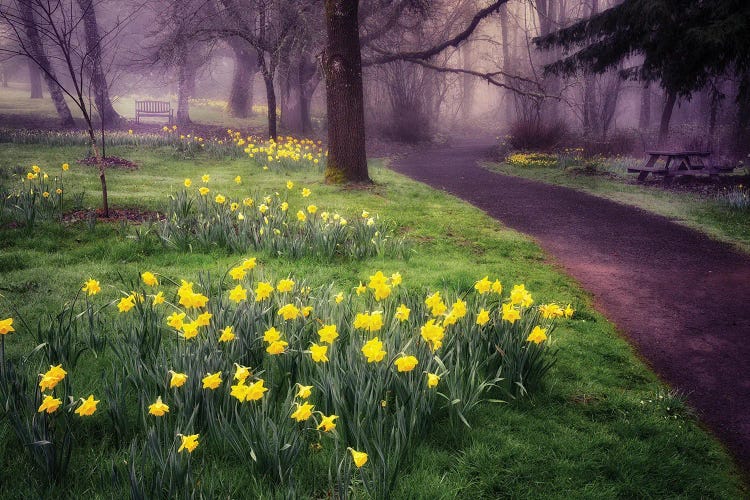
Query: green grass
point(17, 107)
point(597, 429)
point(703, 213)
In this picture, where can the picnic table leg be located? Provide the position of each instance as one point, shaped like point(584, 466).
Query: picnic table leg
point(650, 163)
point(667, 173)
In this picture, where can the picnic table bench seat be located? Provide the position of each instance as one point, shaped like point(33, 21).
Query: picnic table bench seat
point(153, 108)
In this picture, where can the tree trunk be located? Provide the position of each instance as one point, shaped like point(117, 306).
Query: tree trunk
point(271, 102)
point(245, 66)
point(38, 56)
point(342, 65)
point(589, 89)
point(644, 118)
point(666, 117)
point(288, 99)
point(185, 85)
point(107, 112)
point(35, 78)
point(742, 126)
point(467, 81)
point(589, 104)
point(507, 63)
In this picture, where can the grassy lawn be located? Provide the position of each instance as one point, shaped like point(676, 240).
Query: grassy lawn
point(701, 212)
point(602, 425)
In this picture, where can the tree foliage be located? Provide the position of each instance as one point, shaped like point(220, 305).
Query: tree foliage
point(683, 43)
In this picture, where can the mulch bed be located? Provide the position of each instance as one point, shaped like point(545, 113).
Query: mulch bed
point(110, 162)
point(134, 215)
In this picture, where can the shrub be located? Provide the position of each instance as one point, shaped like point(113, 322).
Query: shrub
point(536, 135)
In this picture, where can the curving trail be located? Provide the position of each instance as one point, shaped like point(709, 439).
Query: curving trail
point(682, 299)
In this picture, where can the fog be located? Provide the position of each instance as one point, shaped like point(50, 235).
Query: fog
point(237, 56)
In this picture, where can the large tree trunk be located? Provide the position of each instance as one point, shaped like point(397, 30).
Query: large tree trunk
point(666, 116)
point(298, 86)
point(288, 97)
point(644, 117)
point(37, 54)
point(35, 79)
point(589, 90)
point(342, 65)
point(547, 15)
point(185, 86)
point(245, 66)
point(107, 112)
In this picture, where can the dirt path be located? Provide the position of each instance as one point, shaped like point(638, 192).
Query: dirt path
point(682, 299)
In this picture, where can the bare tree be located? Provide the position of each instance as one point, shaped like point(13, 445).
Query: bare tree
point(37, 24)
point(25, 36)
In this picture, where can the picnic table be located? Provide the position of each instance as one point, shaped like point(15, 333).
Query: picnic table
point(678, 163)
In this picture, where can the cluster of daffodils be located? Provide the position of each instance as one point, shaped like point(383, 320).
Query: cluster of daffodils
point(736, 197)
point(532, 160)
point(286, 152)
point(39, 193)
point(249, 355)
point(286, 222)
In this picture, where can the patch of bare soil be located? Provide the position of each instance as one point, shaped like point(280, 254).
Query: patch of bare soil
point(134, 215)
point(110, 162)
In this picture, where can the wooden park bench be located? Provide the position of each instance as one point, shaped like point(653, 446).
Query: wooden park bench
point(153, 108)
point(678, 163)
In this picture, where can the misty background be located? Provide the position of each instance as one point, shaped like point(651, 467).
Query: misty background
point(236, 57)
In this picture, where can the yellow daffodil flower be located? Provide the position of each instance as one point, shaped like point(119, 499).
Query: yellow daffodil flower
point(188, 443)
point(303, 412)
point(158, 408)
point(6, 326)
point(238, 294)
point(285, 285)
point(212, 381)
point(327, 423)
point(406, 363)
point(373, 350)
point(318, 353)
point(88, 406)
point(263, 291)
point(359, 457)
point(277, 347)
point(177, 379)
point(49, 404)
point(537, 335)
point(227, 334)
point(328, 334)
point(91, 287)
